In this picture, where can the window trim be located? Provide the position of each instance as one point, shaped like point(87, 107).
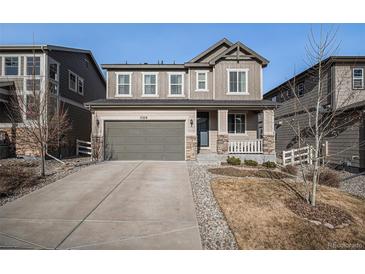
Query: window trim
point(362, 78)
point(69, 81)
point(246, 70)
point(182, 84)
point(235, 130)
point(117, 84)
point(83, 85)
point(144, 87)
point(4, 68)
point(58, 71)
point(197, 81)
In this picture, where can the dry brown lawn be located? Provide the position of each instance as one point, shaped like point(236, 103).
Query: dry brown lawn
point(256, 213)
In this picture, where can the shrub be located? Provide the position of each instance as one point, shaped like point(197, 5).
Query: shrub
point(269, 164)
point(251, 163)
point(233, 160)
point(293, 170)
point(327, 177)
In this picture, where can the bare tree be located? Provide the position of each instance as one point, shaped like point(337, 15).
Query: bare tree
point(322, 118)
point(43, 123)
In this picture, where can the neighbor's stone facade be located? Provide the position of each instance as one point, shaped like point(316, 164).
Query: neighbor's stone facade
point(19, 144)
point(191, 148)
point(222, 143)
point(269, 144)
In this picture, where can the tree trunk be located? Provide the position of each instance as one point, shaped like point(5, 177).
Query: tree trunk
point(43, 161)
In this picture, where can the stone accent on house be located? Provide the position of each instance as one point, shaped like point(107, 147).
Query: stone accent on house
point(269, 144)
point(222, 144)
point(19, 144)
point(191, 148)
point(97, 148)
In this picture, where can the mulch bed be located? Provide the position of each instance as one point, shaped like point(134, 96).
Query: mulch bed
point(237, 172)
point(322, 212)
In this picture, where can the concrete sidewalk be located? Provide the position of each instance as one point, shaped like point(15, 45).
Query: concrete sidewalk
point(113, 205)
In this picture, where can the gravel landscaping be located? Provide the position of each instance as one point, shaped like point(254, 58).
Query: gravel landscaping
point(355, 186)
point(214, 230)
point(20, 168)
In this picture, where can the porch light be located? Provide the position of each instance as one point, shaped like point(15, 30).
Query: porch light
point(191, 122)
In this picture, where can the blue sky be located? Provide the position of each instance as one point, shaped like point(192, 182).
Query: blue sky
point(282, 44)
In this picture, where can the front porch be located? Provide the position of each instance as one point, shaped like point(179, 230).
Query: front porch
point(245, 133)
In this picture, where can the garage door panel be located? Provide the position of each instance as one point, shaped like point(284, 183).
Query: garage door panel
point(145, 140)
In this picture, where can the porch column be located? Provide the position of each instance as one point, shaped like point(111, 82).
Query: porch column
point(268, 132)
point(222, 138)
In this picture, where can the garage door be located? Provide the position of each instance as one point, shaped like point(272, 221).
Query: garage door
point(144, 140)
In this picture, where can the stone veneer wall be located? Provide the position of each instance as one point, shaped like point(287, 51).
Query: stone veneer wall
point(269, 144)
point(191, 148)
point(222, 143)
point(17, 144)
point(97, 146)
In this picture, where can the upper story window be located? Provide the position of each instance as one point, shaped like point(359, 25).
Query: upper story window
point(11, 65)
point(358, 78)
point(201, 81)
point(80, 85)
point(72, 78)
point(54, 72)
point(300, 89)
point(33, 65)
point(237, 81)
point(237, 123)
point(176, 84)
point(150, 84)
point(273, 98)
point(124, 84)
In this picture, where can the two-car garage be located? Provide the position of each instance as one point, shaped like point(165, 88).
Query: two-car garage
point(144, 140)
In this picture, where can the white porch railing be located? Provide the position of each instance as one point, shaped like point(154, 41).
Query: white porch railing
point(83, 147)
point(297, 156)
point(248, 147)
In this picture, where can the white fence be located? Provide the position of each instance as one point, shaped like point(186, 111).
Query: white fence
point(297, 156)
point(83, 147)
point(248, 147)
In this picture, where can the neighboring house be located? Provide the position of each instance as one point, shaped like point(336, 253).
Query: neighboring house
point(344, 92)
point(208, 105)
point(71, 75)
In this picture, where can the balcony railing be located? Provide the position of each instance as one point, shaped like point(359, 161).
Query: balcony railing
point(248, 147)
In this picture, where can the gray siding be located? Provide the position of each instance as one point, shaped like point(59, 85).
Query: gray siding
point(194, 94)
point(82, 65)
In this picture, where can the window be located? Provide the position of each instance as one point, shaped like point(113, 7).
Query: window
point(11, 65)
point(176, 85)
point(150, 84)
point(124, 84)
point(300, 89)
point(53, 88)
point(33, 65)
point(33, 84)
point(273, 99)
point(72, 81)
point(237, 123)
point(237, 81)
point(358, 78)
point(80, 85)
point(201, 81)
point(53, 71)
point(31, 107)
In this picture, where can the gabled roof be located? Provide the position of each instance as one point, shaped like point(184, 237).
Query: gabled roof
point(224, 41)
point(50, 48)
point(237, 47)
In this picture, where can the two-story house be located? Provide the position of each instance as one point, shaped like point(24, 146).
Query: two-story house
point(209, 104)
point(343, 93)
point(71, 76)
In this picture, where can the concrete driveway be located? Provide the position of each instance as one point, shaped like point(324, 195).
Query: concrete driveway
point(112, 205)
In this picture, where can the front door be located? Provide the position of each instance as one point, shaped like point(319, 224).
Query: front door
point(203, 129)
